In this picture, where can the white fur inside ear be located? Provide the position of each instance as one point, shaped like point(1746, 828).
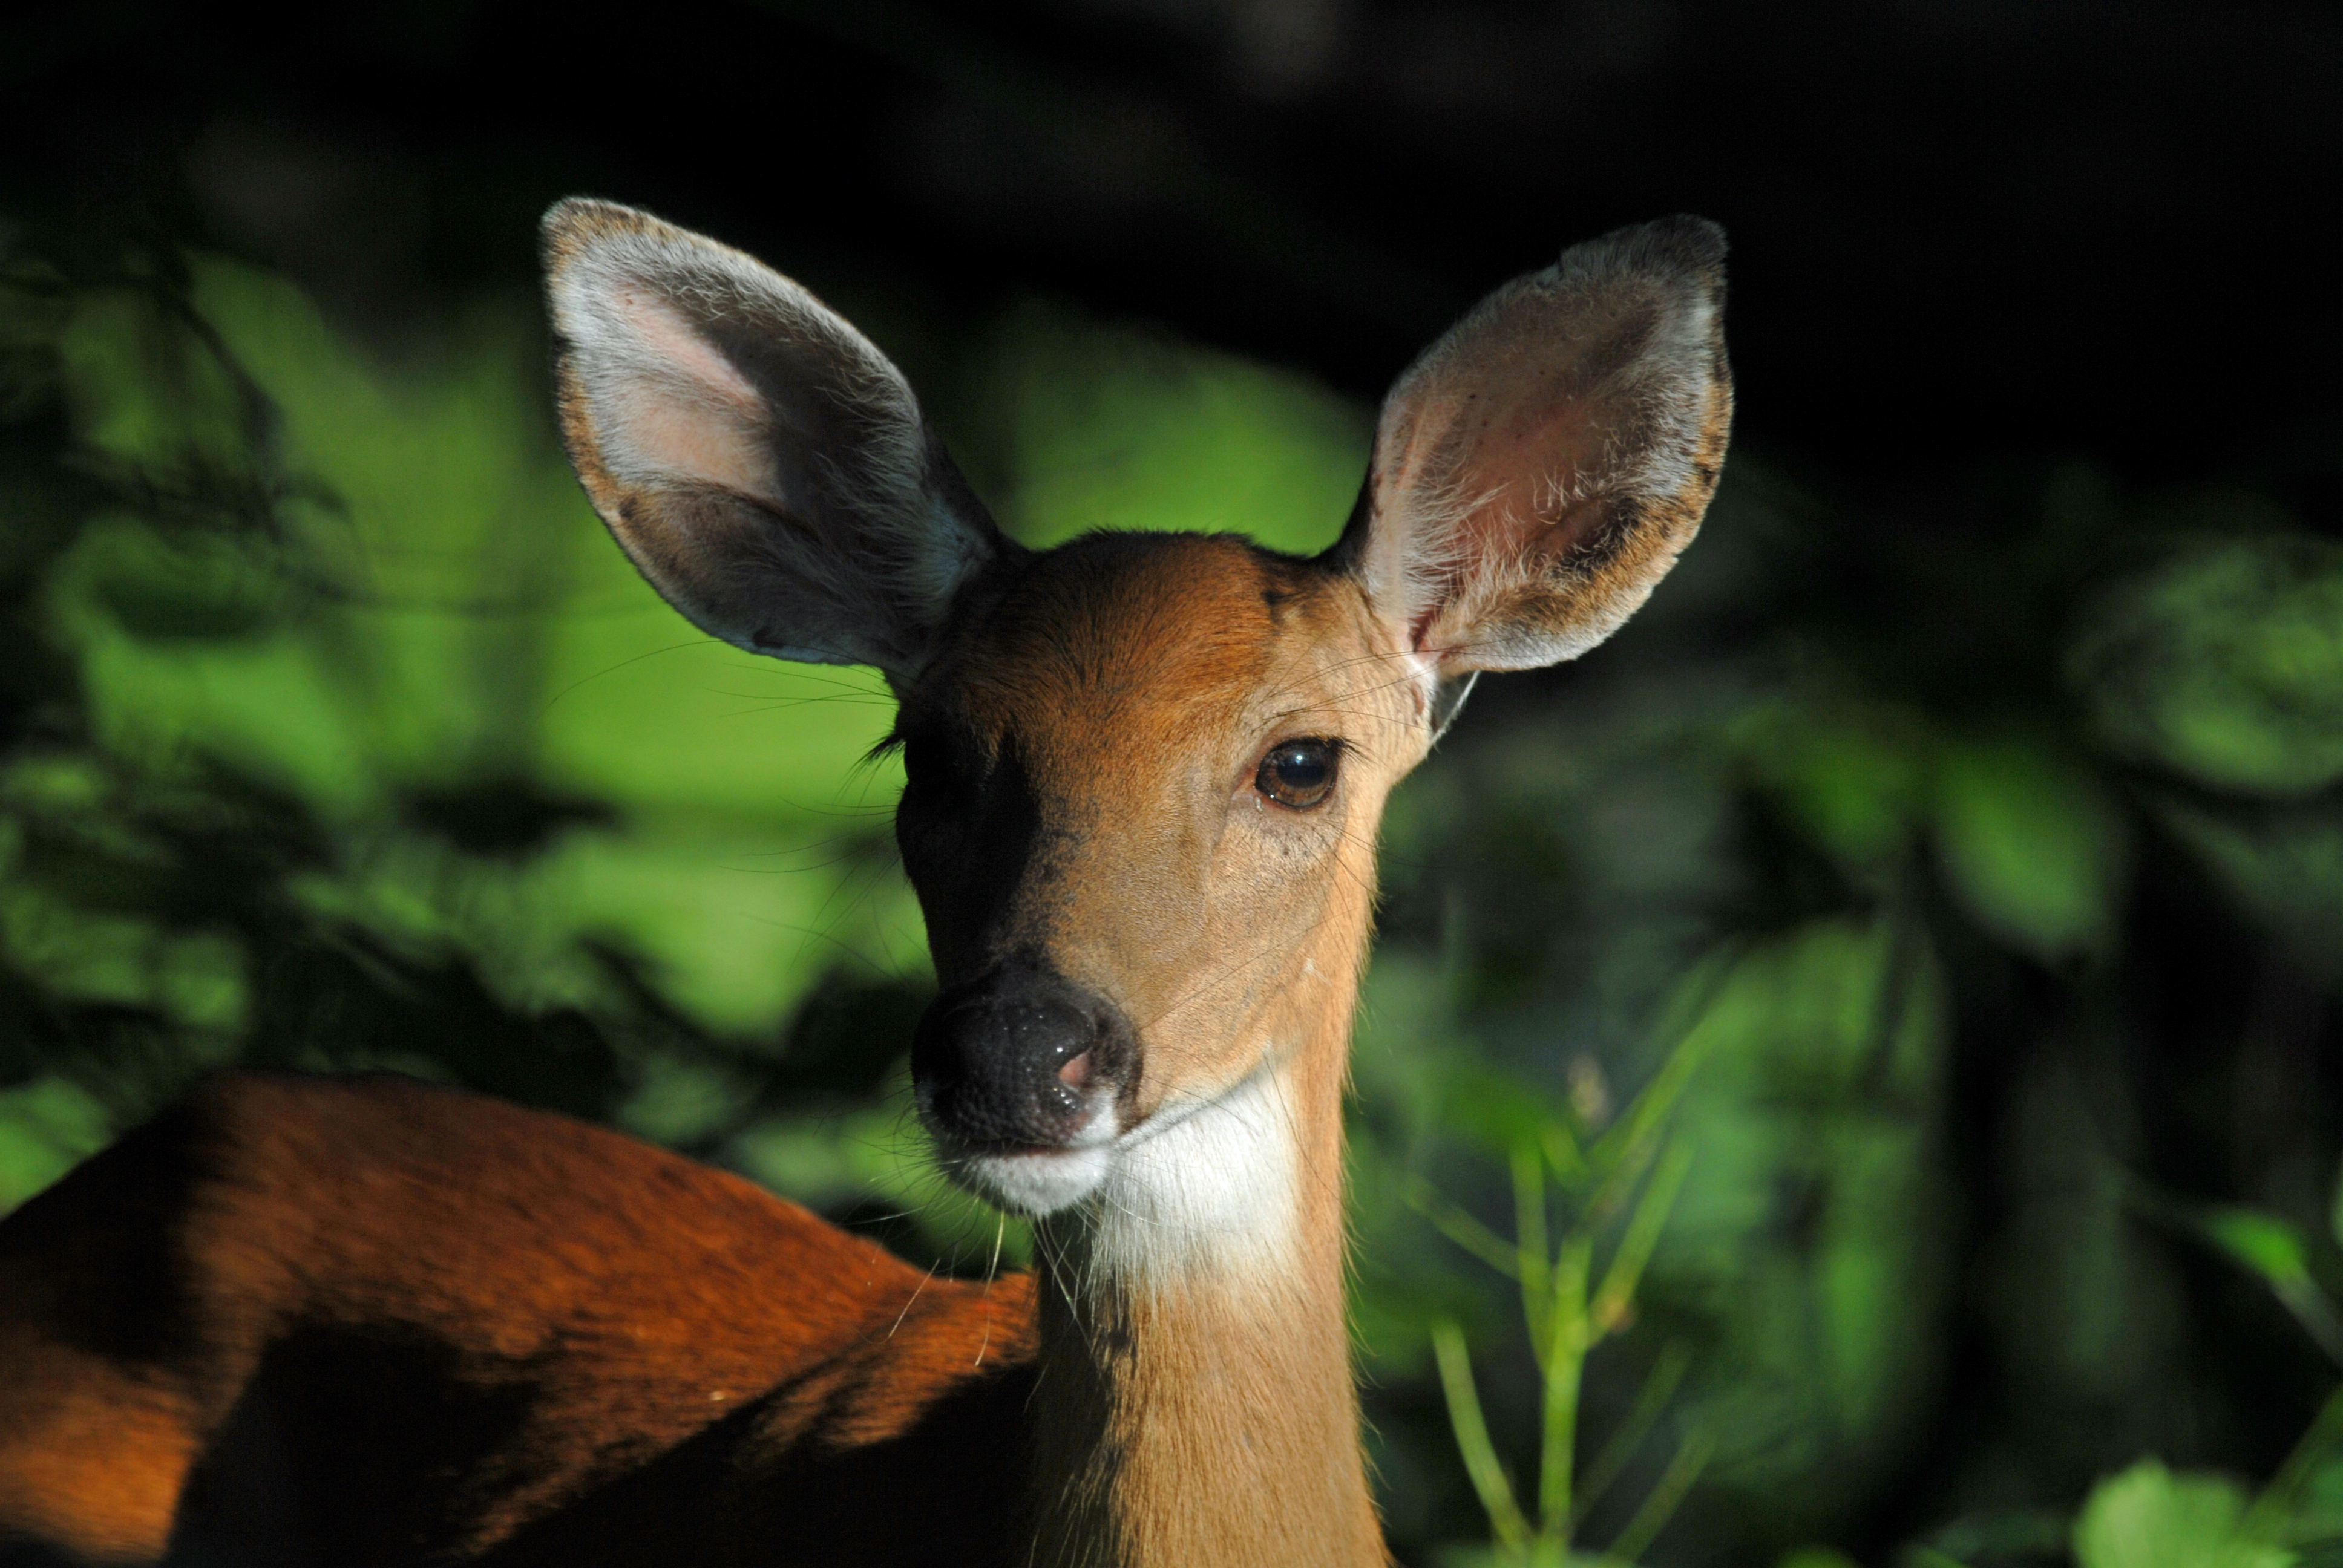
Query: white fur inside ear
point(669, 338)
point(670, 406)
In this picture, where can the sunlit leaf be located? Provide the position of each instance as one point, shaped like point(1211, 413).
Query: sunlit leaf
point(441, 610)
point(2030, 844)
point(1853, 775)
point(2152, 1517)
point(2262, 1243)
point(45, 1126)
point(2278, 1252)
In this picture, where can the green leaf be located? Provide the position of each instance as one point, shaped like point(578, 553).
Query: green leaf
point(2152, 1517)
point(2225, 663)
point(46, 1127)
point(2335, 1208)
point(2262, 1243)
point(1113, 427)
point(2031, 845)
point(2280, 1254)
point(1849, 773)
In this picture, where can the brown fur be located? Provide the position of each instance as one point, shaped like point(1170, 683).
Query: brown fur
point(374, 1322)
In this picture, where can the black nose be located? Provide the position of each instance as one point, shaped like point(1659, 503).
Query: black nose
point(1019, 1056)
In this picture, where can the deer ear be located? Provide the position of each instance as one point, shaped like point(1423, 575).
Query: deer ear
point(760, 462)
point(1538, 470)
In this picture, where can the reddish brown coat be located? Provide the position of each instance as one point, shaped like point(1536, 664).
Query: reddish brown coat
point(401, 1323)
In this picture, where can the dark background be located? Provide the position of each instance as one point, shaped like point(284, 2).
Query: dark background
point(1977, 248)
point(1963, 234)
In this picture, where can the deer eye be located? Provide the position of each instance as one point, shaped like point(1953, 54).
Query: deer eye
point(1298, 773)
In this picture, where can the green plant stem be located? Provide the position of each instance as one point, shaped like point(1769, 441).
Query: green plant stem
point(1692, 1457)
point(1642, 1118)
point(2315, 1310)
point(1565, 1360)
point(1530, 1244)
point(1618, 1171)
point(1563, 1152)
point(2283, 1496)
point(1460, 1226)
point(1658, 1388)
point(1479, 1455)
point(1643, 1228)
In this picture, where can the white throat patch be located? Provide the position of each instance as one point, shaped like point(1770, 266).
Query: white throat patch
point(1211, 1190)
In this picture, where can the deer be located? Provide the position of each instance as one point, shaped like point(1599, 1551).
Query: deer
point(368, 1321)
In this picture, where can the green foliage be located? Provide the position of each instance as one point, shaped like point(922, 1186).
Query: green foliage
point(1113, 427)
point(2149, 1517)
point(2280, 1254)
point(1625, 1180)
point(46, 1127)
point(2225, 663)
point(363, 724)
point(464, 621)
point(1865, 853)
point(2031, 845)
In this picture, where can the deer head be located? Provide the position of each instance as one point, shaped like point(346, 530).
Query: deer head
point(1144, 772)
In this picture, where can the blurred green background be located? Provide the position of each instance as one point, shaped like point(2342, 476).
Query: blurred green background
point(1956, 837)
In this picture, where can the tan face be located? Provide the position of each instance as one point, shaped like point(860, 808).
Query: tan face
point(1144, 779)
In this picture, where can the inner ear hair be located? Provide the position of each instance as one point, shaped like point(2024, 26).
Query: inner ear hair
point(764, 466)
point(1539, 469)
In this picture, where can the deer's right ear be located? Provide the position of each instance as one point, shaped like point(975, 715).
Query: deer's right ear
point(1537, 471)
point(760, 462)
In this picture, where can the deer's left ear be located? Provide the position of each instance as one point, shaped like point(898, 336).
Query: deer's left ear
point(1538, 470)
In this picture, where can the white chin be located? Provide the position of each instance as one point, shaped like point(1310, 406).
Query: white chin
point(1038, 1182)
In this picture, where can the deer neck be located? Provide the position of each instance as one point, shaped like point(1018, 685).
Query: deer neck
point(1196, 1401)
